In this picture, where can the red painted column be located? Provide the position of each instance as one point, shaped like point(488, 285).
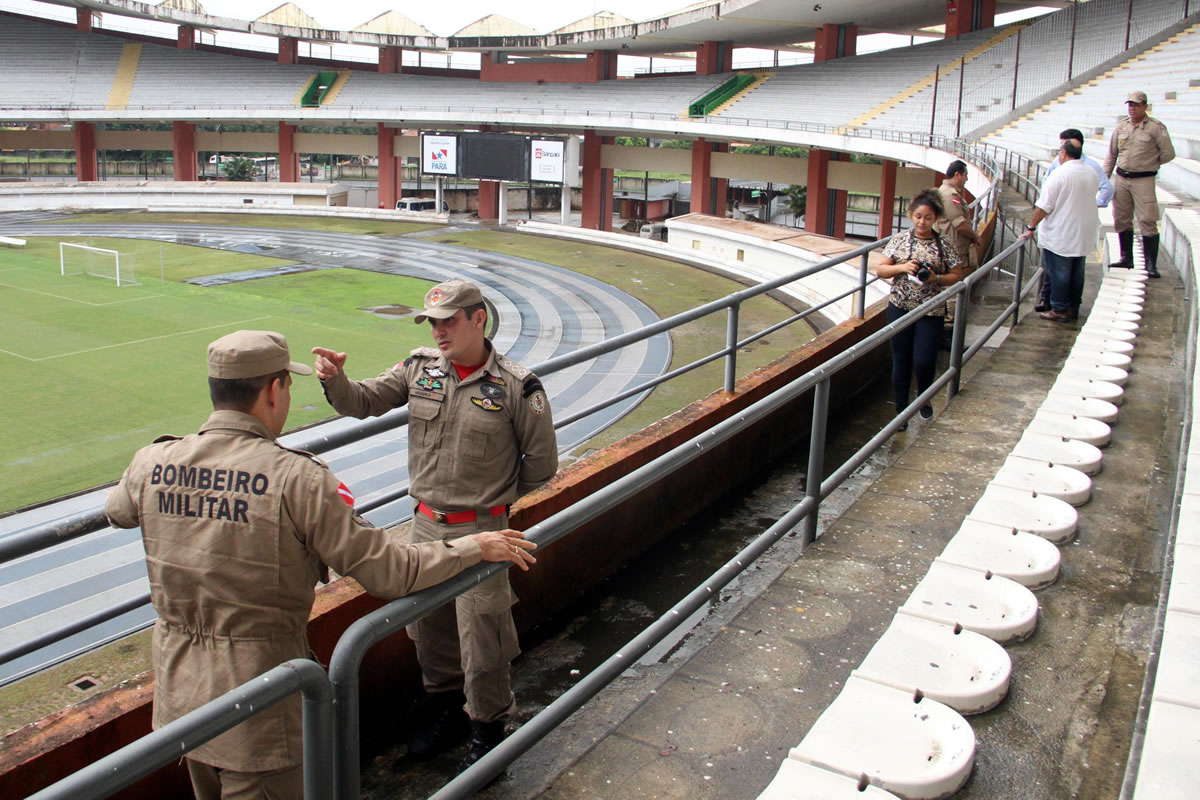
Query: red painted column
point(825, 211)
point(597, 184)
point(835, 41)
point(964, 16)
point(720, 185)
point(887, 198)
point(387, 167)
point(702, 188)
point(489, 199)
point(186, 37)
point(83, 20)
point(289, 161)
point(390, 60)
point(86, 168)
point(713, 58)
point(183, 137)
point(289, 51)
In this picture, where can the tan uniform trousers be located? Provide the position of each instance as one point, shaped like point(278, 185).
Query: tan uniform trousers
point(469, 644)
point(1135, 196)
point(210, 783)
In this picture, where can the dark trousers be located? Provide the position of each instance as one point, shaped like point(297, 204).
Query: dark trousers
point(913, 349)
point(1066, 280)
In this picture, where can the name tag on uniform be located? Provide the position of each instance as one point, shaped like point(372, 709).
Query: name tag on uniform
point(438, 396)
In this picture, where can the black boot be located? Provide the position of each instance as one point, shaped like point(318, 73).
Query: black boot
point(1126, 262)
point(446, 726)
point(1150, 255)
point(484, 737)
point(1043, 295)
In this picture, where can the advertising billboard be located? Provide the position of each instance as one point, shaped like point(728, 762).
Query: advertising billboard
point(439, 154)
point(546, 160)
point(494, 156)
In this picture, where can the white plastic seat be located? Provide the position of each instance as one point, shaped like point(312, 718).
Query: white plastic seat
point(1107, 332)
point(1121, 289)
point(1108, 303)
point(1050, 449)
point(1098, 341)
point(1081, 406)
point(1102, 325)
point(914, 749)
point(1106, 313)
point(960, 668)
point(1082, 352)
point(1057, 480)
point(1126, 275)
point(1079, 368)
point(797, 780)
point(1071, 426)
point(1020, 556)
point(1086, 387)
point(999, 608)
point(1026, 510)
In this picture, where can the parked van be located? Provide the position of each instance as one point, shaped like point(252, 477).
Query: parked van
point(654, 230)
point(418, 204)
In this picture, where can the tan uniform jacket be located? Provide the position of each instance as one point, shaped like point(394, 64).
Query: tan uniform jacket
point(1138, 148)
point(953, 215)
point(474, 444)
point(235, 528)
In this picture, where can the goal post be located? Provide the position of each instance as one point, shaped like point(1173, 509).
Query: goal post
point(82, 259)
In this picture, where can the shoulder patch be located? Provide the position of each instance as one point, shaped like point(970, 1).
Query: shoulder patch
point(167, 437)
point(532, 385)
point(516, 369)
point(425, 352)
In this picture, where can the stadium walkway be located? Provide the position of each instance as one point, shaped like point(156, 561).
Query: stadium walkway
point(718, 714)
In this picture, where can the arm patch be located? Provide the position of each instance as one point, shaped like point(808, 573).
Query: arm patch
point(532, 385)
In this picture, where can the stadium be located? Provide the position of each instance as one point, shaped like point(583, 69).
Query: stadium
point(757, 577)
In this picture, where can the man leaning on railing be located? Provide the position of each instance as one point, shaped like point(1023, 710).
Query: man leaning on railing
point(236, 528)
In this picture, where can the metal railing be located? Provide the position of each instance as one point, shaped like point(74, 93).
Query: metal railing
point(165, 745)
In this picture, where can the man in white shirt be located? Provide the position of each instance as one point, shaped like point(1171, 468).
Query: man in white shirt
point(1067, 226)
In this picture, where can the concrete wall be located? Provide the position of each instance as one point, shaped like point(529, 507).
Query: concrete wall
point(109, 194)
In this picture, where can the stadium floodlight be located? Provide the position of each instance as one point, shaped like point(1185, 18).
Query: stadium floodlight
point(82, 259)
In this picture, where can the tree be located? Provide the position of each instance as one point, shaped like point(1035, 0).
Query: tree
point(239, 169)
point(797, 197)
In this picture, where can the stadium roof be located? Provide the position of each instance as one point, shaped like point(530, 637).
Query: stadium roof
point(745, 23)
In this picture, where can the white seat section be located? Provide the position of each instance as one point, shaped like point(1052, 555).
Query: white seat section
point(1107, 333)
point(1085, 387)
point(1081, 406)
point(1057, 480)
point(1001, 609)
point(796, 780)
point(1121, 289)
point(1025, 510)
point(1098, 341)
point(1080, 352)
point(1017, 555)
point(1076, 368)
point(1103, 323)
point(954, 666)
point(1119, 303)
point(1126, 275)
point(1071, 426)
point(1169, 769)
point(1108, 314)
point(1051, 449)
point(917, 750)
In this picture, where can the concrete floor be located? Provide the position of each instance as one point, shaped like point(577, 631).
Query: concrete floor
point(717, 714)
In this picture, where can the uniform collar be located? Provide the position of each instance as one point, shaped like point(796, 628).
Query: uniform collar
point(490, 366)
point(236, 421)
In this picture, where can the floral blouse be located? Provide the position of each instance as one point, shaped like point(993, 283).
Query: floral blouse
point(908, 294)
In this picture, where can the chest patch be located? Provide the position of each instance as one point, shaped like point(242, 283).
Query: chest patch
point(434, 372)
point(430, 384)
point(486, 403)
point(491, 390)
point(428, 395)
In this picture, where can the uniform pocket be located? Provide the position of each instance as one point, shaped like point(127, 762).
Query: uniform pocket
point(423, 420)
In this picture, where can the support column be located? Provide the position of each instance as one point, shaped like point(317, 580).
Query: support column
point(835, 41)
point(597, 184)
point(86, 168)
point(564, 214)
point(83, 19)
point(186, 37)
point(502, 204)
point(887, 198)
point(489, 199)
point(702, 184)
point(289, 161)
point(713, 58)
point(388, 182)
point(964, 16)
point(720, 185)
point(825, 209)
point(289, 50)
point(391, 60)
point(183, 138)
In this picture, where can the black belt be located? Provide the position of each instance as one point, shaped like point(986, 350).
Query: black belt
point(1124, 173)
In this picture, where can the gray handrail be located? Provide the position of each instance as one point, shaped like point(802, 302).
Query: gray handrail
point(165, 745)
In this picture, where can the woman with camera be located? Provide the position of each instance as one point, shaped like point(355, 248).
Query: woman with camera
point(920, 263)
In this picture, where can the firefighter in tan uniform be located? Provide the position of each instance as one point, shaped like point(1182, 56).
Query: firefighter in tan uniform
point(954, 223)
point(1139, 145)
point(480, 435)
point(236, 527)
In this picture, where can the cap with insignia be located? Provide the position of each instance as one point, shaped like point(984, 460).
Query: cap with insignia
point(443, 300)
point(249, 354)
point(1136, 97)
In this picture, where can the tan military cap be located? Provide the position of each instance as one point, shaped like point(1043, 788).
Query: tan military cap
point(443, 300)
point(1136, 97)
point(249, 354)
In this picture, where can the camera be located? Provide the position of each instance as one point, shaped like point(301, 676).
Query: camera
point(924, 273)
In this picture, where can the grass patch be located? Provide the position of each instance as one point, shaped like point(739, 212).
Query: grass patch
point(96, 371)
point(370, 227)
point(669, 288)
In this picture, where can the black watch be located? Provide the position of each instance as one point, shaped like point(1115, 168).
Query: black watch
point(1030, 228)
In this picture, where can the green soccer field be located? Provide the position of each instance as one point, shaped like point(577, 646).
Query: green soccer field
point(94, 371)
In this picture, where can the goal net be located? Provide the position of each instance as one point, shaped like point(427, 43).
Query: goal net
point(82, 259)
